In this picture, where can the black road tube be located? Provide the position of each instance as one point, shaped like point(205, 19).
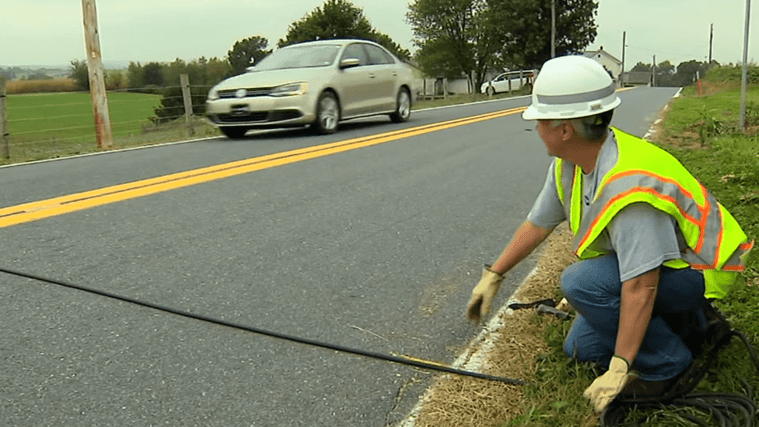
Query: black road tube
point(340, 348)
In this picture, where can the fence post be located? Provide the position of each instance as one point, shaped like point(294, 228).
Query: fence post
point(184, 80)
point(97, 75)
point(5, 151)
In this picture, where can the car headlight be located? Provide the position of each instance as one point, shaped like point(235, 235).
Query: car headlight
point(291, 89)
point(213, 94)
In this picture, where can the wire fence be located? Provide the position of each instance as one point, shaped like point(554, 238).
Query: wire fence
point(55, 124)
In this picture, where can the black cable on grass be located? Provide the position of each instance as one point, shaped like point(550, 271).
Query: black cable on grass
point(335, 347)
point(728, 410)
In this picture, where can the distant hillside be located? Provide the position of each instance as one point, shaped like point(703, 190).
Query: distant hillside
point(20, 72)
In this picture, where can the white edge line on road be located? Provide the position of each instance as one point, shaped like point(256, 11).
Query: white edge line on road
point(475, 357)
point(652, 129)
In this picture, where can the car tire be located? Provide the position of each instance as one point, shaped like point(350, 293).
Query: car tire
point(234, 132)
point(327, 114)
point(491, 91)
point(402, 107)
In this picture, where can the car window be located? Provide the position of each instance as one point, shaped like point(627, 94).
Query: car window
point(299, 57)
point(355, 51)
point(377, 55)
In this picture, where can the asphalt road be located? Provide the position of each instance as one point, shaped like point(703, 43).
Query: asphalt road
point(375, 248)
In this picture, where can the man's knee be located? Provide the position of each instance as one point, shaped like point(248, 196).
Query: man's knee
point(570, 280)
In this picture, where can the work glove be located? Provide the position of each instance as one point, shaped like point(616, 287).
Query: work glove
point(606, 387)
point(483, 293)
point(563, 305)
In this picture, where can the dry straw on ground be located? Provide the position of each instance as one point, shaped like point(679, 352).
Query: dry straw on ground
point(463, 401)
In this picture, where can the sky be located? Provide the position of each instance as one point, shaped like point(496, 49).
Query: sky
point(50, 32)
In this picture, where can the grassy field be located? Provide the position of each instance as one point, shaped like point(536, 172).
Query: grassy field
point(58, 124)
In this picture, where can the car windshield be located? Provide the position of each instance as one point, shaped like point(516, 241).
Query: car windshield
point(299, 57)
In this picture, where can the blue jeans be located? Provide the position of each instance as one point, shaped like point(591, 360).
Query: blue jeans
point(594, 290)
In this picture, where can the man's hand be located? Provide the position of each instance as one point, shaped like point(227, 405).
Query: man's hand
point(606, 387)
point(483, 293)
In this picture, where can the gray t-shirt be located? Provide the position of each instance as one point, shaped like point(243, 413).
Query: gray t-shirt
point(641, 236)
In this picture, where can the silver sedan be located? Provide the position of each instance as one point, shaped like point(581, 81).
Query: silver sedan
point(316, 83)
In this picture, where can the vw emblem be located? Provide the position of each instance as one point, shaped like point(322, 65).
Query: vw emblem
point(241, 93)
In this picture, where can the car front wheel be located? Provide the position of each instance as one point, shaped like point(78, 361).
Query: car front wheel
point(327, 114)
point(402, 107)
point(234, 132)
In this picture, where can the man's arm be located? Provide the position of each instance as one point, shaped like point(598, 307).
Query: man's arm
point(525, 240)
point(636, 306)
point(527, 237)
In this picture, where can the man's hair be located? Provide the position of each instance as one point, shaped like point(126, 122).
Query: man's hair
point(590, 128)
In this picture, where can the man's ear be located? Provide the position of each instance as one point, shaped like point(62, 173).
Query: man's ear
point(567, 131)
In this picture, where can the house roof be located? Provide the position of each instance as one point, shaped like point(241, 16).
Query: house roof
point(594, 54)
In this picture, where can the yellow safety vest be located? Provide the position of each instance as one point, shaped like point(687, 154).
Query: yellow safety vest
point(646, 173)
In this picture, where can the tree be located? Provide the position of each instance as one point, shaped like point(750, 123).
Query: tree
point(529, 40)
point(686, 72)
point(665, 74)
point(115, 79)
point(152, 74)
point(641, 67)
point(80, 74)
point(135, 75)
point(245, 51)
point(465, 36)
point(338, 19)
point(457, 37)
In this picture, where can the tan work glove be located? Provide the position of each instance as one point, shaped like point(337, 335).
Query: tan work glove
point(483, 293)
point(563, 305)
point(606, 387)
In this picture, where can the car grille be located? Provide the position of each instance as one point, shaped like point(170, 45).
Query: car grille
point(242, 118)
point(249, 93)
point(260, 116)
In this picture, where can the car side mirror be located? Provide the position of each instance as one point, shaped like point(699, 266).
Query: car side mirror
point(349, 63)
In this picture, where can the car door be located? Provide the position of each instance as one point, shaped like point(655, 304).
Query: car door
point(384, 75)
point(354, 83)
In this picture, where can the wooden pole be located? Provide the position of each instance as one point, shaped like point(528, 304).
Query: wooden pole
point(622, 72)
point(97, 76)
point(711, 39)
point(5, 151)
point(184, 80)
point(744, 71)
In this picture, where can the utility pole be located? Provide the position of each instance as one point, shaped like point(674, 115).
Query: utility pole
point(653, 73)
point(5, 152)
point(711, 38)
point(622, 72)
point(553, 28)
point(745, 68)
point(97, 75)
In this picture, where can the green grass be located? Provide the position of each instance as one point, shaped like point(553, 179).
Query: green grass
point(69, 115)
point(700, 118)
point(50, 125)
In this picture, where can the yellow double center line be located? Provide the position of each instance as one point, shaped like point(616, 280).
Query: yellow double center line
point(60, 205)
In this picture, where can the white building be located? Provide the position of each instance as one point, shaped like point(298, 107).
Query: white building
point(607, 60)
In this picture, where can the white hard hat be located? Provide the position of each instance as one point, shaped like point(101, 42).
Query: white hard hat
point(569, 87)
